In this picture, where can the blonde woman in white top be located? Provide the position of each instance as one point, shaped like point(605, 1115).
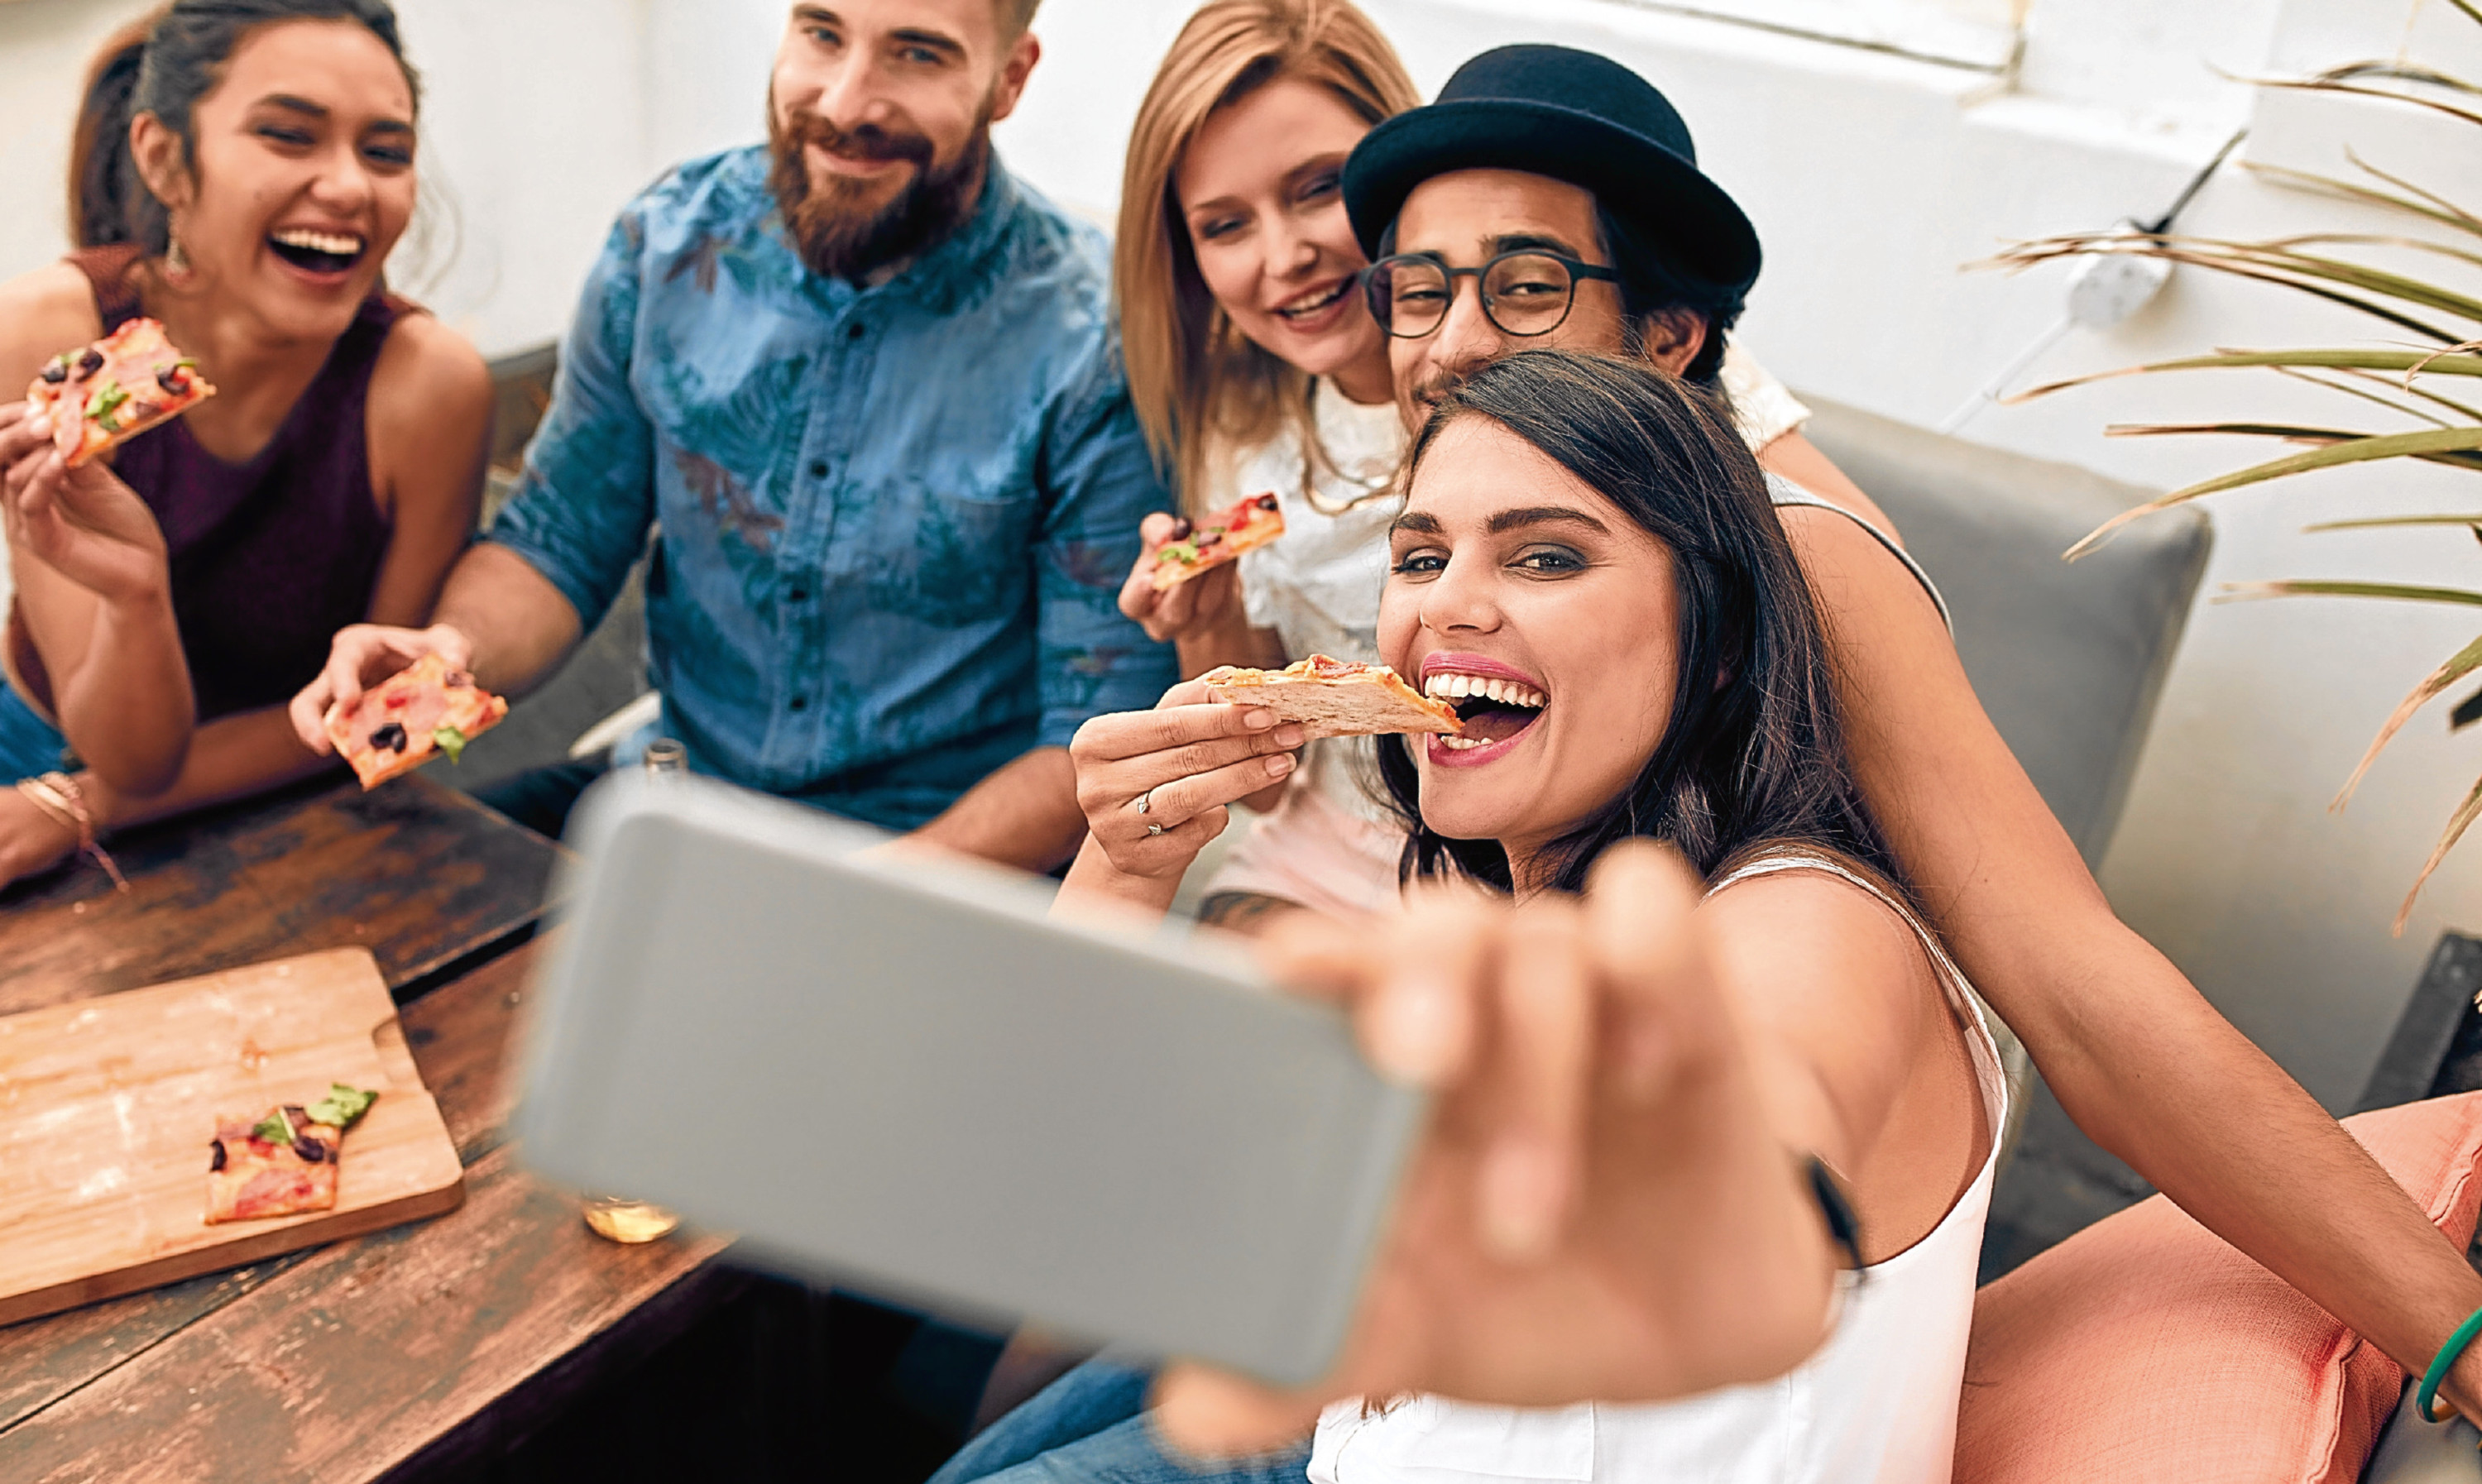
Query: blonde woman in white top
point(1593, 534)
point(1256, 366)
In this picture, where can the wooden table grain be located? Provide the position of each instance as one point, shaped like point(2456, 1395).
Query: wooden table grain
point(421, 875)
point(381, 1356)
point(399, 1355)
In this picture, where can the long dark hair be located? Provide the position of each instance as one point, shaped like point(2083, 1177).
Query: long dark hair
point(1753, 753)
point(163, 65)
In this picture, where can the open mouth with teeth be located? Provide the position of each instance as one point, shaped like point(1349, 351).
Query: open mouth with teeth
point(316, 251)
point(1306, 309)
point(1493, 709)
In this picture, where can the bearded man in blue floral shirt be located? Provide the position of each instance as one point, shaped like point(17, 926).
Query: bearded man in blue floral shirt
point(860, 387)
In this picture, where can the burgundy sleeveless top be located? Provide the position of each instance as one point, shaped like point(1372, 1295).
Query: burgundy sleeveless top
point(269, 558)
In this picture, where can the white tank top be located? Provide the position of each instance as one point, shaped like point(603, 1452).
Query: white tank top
point(1876, 1405)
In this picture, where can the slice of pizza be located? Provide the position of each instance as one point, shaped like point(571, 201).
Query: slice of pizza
point(111, 391)
point(1202, 546)
point(285, 1164)
point(399, 723)
point(1334, 698)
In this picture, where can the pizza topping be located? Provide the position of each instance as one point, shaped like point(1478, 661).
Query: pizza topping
point(99, 407)
point(1206, 539)
point(451, 741)
point(216, 1156)
point(175, 378)
point(389, 737)
point(1182, 527)
point(57, 370)
point(1266, 502)
point(342, 1106)
point(273, 1128)
point(90, 363)
point(309, 1149)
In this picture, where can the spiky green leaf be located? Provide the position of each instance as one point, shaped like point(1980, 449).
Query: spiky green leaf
point(2462, 663)
point(2402, 591)
point(2391, 445)
point(2457, 824)
point(2381, 522)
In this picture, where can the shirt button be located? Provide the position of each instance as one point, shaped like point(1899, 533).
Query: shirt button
point(818, 468)
point(799, 704)
point(856, 331)
point(797, 596)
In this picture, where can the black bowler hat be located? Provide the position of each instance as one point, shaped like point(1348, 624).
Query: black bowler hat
point(1573, 116)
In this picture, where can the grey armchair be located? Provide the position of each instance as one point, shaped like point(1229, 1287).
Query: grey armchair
point(2068, 657)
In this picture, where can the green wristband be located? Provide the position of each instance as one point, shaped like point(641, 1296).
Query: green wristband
point(2439, 1364)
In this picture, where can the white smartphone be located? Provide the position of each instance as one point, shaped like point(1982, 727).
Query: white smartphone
point(905, 1077)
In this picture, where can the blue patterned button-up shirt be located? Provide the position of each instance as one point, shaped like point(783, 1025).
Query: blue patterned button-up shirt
point(892, 521)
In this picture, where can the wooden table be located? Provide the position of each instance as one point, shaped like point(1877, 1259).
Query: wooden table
point(427, 878)
point(395, 1354)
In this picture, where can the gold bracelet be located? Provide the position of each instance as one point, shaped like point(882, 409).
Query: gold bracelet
point(59, 795)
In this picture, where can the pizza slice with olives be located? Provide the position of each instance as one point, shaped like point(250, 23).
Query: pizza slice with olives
point(1334, 698)
point(399, 723)
point(1197, 547)
point(111, 391)
point(285, 1163)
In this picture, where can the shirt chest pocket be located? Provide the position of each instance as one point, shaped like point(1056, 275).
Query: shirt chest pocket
point(946, 555)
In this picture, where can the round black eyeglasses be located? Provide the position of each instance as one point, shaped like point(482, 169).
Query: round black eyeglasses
point(1525, 293)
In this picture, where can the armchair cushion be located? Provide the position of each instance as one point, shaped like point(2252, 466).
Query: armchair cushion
point(2144, 1347)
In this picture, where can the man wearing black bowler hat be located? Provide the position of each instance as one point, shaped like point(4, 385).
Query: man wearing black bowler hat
point(1570, 186)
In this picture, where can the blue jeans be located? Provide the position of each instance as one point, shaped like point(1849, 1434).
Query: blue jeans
point(1091, 1427)
point(30, 745)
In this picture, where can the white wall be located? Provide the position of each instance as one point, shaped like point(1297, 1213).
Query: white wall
point(1871, 177)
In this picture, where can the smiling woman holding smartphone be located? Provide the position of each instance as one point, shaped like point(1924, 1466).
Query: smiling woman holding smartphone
point(1735, 1058)
point(242, 170)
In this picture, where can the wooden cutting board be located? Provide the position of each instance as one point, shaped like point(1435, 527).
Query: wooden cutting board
point(107, 1106)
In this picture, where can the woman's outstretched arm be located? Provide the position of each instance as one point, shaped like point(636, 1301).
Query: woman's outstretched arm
point(2134, 1054)
point(1611, 1202)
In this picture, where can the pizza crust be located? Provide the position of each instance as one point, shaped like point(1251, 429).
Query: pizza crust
point(1331, 698)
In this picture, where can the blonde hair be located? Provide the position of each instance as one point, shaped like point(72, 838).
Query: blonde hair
point(1199, 384)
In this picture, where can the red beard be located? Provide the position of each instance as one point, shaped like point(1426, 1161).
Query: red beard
point(846, 228)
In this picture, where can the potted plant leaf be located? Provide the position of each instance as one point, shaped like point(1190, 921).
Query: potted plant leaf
point(2429, 383)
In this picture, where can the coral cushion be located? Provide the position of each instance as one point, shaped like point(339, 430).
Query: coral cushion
point(2144, 1348)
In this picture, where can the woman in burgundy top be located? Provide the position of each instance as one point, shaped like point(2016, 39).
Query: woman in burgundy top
point(241, 171)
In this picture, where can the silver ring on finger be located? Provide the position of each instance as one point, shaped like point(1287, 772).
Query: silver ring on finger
point(1153, 829)
point(1145, 803)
